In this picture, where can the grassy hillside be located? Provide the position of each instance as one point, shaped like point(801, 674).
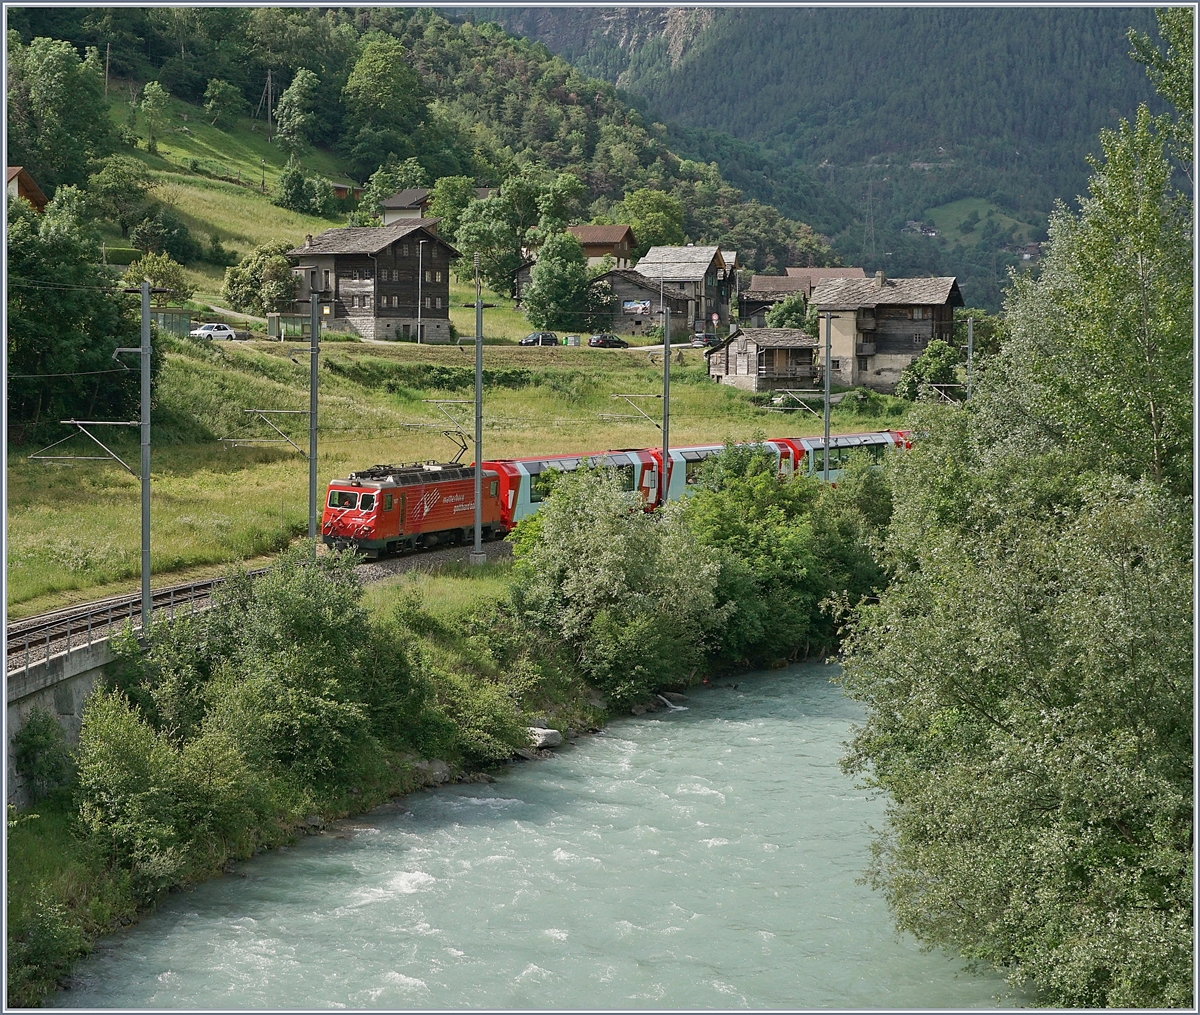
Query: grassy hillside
point(74, 529)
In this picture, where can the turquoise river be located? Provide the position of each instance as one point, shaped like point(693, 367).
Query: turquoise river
point(700, 858)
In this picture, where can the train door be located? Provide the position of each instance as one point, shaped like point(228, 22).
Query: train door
point(390, 518)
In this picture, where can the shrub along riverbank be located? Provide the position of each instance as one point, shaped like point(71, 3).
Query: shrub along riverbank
point(300, 697)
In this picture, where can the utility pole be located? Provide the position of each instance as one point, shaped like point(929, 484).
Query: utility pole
point(970, 352)
point(107, 55)
point(477, 555)
point(147, 607)
point(666, 423)
point(314, 350)
point(270, 122)
point(828, 347)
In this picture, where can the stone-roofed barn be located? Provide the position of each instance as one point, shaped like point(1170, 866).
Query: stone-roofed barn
point(701, 272)
point(380, 281)
point(879, 325)
point(635, 309)
point(763, 359)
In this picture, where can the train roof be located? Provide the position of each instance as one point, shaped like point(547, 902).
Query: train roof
point(410, 475)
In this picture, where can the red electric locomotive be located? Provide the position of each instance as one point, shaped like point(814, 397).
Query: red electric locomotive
point(390, 508)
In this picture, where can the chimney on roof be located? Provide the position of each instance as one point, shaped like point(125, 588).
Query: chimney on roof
point(880, 278)
point(308, 239)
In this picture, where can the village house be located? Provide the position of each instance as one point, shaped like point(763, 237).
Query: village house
point(379, 281)
point(636, 307)
point(767, 290)
point(599, 242)
point(701, 273)
point(21, 184)
point(764, 359)
point(413, 203)
point(879, 325)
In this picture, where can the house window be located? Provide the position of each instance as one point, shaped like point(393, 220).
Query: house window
point(429, 276)
point(355, 274)
point(862, 364)
point(428, 303)
point(437, 276)
point(396, 301)
point(438, 301)
point(404, 250)
point(835, 364)
point(327, 278)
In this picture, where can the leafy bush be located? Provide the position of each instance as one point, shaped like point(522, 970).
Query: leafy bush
point(631, 594)
point(40, 754)
point(938, 364)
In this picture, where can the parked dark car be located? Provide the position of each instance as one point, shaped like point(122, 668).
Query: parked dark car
point(606, 341)
point(704, 341)
point(540, 338)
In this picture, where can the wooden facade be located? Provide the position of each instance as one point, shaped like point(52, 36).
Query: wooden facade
point(367, 281)
point(636, 304)
point(764, 359)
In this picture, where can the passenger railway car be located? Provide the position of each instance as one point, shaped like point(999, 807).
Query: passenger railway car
point(388, 508)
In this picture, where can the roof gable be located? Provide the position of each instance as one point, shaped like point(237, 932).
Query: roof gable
point(651, 285)
point(369, 239)
point(680, 264)
point(601, 234)
point(851, 293)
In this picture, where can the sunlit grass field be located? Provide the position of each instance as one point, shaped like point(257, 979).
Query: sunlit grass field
point(74, 528)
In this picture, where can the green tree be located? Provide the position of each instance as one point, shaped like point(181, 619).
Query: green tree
point(631, 594)
point(262, 282)
point(163, 273)
point(223, 102)
point(1101, 348)
point(290, 191)
point(561, 294)
point(294, 117)
point(155, 105)
point(65, 318)
point(164, 231)
point(938, 364)
point(57, 118)
point(119, 190)
point(1172, 73)
point(790, 312)
point(448, 200)
point(385, 104)
point(655, 217)
point(990, 330)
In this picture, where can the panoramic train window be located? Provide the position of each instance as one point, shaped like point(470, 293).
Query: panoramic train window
point(541, 485)
point(368, 501)
point(625, 475)
point(342, 499)
point(691, 472)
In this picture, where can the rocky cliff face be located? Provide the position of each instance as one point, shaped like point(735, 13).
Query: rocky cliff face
point(603, 41)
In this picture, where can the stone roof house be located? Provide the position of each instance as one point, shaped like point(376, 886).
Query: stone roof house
point(767, 290)
point(701, 272)
point(381, 282)
point(635, 309)
point(879, 325)
point(599, 242)
point(763, 359)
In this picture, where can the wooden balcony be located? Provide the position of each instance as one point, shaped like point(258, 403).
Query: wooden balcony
point(864, 348)
point(802, 372)
point(865, 323)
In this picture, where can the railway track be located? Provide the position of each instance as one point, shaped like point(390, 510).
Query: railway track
point(34, 639)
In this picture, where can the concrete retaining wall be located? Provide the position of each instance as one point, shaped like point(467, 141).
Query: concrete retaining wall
point(59, 685)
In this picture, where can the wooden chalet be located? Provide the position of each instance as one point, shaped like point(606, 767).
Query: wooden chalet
point(21, 184)
point(701, 273)
point(767, 290)
point(599, 242)
point(369, 280)
point(879, 325)
point(764, 359)
point(635, 309)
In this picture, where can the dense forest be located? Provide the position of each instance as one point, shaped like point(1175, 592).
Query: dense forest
point(896, 112)
point(380, 86)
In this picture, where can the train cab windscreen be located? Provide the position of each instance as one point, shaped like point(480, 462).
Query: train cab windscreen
point(343, 499)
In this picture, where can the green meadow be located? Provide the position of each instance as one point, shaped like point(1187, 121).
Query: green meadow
point(74, 528)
